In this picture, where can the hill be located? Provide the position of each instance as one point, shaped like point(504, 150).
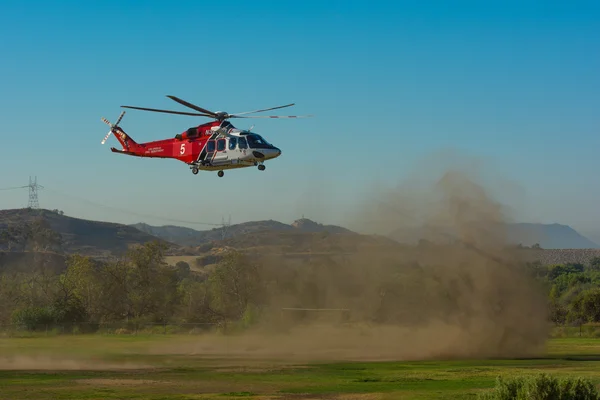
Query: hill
point(50, 231)
point(547, 236)
point(25, 232)
point(191, 237)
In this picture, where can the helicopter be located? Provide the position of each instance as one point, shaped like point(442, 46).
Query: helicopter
point(213, 146)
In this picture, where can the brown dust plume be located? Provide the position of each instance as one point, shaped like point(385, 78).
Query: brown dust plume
point(457, 291)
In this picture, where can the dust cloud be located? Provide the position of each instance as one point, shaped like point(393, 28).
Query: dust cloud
point(59, 363)
point(457, 291)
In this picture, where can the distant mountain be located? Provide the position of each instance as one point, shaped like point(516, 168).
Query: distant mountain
point(44, 237)
point(549, 236)
point(191, 237)
point(175, 234)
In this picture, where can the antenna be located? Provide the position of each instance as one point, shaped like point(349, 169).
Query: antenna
point(33, 193)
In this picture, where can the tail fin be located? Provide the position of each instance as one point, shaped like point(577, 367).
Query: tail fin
point(120, 135)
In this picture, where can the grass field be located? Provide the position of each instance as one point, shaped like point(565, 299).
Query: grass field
point(141, 367)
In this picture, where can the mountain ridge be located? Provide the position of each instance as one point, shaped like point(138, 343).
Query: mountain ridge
point(43, 230)
point(528, 234)
point(191, 237)
point(549, 236)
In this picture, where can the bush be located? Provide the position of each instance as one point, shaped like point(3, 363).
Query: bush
point(34, 318)
point(542, 387)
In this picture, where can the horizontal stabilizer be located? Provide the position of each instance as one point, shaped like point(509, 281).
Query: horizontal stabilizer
point(129, 153)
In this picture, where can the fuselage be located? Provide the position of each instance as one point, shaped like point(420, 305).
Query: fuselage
point(214, 145)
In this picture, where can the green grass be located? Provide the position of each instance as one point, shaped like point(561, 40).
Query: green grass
point(170, 376)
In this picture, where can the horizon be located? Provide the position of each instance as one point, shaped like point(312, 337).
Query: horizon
point(508, 90)
point(217, 226)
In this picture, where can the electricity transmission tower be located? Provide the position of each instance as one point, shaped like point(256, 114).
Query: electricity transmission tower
point(224, 227)
point(33, 193)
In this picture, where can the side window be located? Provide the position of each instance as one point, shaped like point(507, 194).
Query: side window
point(242, 143)
point(220, 144)
point(232, 142)
point(210, 146)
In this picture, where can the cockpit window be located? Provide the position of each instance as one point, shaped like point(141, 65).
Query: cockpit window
point(242, 143)
point(256, 141)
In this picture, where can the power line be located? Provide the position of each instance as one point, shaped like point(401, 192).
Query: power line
point(15, 187)
point(34, 203)
point(129, 212)
point(33, 192)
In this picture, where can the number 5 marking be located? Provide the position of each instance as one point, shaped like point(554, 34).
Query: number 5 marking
point(182, 148)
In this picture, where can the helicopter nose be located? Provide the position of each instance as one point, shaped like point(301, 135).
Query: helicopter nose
point(277, 152)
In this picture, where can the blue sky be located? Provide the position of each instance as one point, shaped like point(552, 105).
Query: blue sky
point(390, 84)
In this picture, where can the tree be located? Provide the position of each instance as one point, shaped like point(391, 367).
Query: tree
point(558, 313)
point(594, 264)
point(586, 306)
point(152, 284)
point(554, 271)
point(9, 296)
point(195, 302)
point(183, 270)
point(235, 283)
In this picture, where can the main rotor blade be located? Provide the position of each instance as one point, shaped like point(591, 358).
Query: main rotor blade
point(168, 111)
point(194, 107)
point(273, 116)
point(264, 109)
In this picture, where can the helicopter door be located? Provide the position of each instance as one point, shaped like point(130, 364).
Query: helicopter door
point(210, 151)
point(221, 153)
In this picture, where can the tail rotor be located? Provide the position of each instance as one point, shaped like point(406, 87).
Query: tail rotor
point(112, 126)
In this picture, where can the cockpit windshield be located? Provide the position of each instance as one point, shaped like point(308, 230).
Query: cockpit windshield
point(257, 142)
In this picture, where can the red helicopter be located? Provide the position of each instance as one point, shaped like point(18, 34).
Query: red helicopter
point(213, 146)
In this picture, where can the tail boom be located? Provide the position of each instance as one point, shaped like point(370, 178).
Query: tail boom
point(178, 148)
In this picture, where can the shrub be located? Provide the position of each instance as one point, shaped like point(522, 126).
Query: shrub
point(34, 318)
point(542, 387)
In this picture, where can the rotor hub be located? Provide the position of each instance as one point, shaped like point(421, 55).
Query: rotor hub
point(221, 115)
